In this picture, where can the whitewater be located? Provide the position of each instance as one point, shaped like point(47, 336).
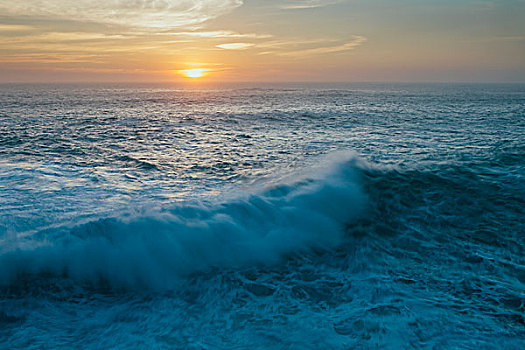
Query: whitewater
point(297, 216)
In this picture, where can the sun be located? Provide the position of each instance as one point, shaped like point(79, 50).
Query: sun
point(195, 72)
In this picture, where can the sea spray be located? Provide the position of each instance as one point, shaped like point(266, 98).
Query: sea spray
point(156, 250)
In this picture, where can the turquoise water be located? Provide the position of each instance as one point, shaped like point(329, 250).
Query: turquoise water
point(286, 216)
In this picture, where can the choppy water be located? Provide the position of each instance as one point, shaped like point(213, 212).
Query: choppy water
point(297, 217)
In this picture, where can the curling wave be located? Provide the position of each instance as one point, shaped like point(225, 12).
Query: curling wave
point(156, 250)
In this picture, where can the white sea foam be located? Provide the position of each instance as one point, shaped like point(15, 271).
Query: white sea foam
point(155, 250)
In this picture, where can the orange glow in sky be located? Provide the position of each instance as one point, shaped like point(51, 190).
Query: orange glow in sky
point(262, 40)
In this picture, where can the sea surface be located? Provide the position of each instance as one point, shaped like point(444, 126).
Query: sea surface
point(320, 216)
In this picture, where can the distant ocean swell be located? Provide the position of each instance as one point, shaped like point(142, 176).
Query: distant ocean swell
point(309, 213)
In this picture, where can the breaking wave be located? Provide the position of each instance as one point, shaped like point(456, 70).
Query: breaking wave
point(155, 250)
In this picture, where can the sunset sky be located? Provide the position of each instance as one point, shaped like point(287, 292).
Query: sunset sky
point(262, 40)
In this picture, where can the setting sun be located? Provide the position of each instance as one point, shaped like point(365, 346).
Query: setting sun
point(195, 72)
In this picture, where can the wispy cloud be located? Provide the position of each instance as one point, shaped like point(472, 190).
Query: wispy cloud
point(307, 4)
point(55, 37)
point(293, 43)
point(235, 46)
point(50, 58)
point(137, 13)
point(220, 34)
point(497, 39)
point(305, 48)
point(15, 28)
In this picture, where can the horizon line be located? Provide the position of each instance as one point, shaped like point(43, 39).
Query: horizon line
point(197, 83)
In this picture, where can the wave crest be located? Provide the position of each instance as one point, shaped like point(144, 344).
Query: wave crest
point(156, 250)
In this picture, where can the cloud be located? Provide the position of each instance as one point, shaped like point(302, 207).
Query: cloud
point(498, 39)
point(15, 28)
point(133, 13)
point(220, 34)
point(351, 45)
point(50, 58)
point(307, 4)
point(235, 46)
point(56, 37)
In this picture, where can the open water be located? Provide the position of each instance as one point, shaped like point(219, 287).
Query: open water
point(357, 216)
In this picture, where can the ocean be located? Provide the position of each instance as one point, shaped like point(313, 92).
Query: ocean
point(285, 216)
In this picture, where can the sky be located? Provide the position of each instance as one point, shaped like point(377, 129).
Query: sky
point(262, 40)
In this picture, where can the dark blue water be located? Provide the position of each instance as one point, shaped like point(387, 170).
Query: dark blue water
point(290, 216)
